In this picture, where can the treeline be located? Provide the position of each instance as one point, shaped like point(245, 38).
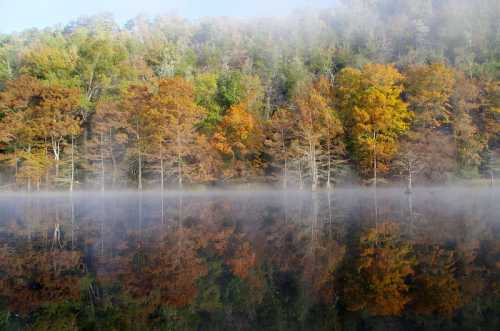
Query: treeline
point(368, 90)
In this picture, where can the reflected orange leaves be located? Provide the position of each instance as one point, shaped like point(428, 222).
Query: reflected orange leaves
point(439, 290)
point(31, 278)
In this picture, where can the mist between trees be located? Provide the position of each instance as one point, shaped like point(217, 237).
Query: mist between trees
point(369, 91)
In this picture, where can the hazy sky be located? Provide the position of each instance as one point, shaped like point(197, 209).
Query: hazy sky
point(16, 15)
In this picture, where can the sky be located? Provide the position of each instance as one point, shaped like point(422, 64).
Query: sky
point(17, 15)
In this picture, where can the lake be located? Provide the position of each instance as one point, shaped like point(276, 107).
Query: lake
point(351, 259)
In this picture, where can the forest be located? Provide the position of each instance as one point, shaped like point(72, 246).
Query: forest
point(366, 92)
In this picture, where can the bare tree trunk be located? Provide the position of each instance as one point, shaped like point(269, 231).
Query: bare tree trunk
point(56, 148)
point(179, 160)
point(329, 168)
point(72, 180)
point(285, 168)
point(16, 167)
point(29, 178)
point(374, 159)
point(113, 160)
point(72, 202)
point(410, 181)
point(375, 197)
point(139, 149)
point(103, 178)
point(312, 165)
point(162, 170)
point(301, 180)
point(139, 175)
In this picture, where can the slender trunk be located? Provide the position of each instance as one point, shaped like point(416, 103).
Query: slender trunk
point(46, 158)
point(139, 175)
point(29, 175)
point(410, 211)
point(139, 172)
point(314, 220)
point(375, 159)
point(329, 168)
point(162, 170)
point(330, 214)
point(113, 159)
point(56, 148)
point(102, 164)
point(375, 197)
point(72, 164)
point(179, 160)
point(162, 207)
point(410, 179)
point(101, 226)
point(285, 170)
point(72, 202)
point(301, 180)
point(312, 160)
point(16, 167)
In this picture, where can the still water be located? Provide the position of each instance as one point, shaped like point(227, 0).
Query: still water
point(347, 260)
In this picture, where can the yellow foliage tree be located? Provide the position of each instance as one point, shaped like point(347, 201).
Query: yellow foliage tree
point(373, 113)
point(429, 88)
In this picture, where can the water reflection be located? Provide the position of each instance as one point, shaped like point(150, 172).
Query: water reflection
point(251, 261)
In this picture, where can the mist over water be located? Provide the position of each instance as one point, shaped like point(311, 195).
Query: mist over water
point(344, 259)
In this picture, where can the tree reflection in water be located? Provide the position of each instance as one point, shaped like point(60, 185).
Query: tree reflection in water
point(251, 261)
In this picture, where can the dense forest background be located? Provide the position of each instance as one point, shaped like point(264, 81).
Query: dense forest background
point(365, 92)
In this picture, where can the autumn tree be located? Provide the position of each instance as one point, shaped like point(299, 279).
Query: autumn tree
point(373, 114)
point(177, 139)
point(238, 138)
point(58, 118)
point(141, 125)
point(108, 141)
point(429, 88)
point(319, 131)
point(465, 101)
point(18, 128)
point(281, 128)
point(41, 116)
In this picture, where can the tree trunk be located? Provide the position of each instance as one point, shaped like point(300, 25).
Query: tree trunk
point(72, 180)
point(329, 168)
point(56, 148)
point(285, 169)
point(313, 166)
point(162, 170)
point(29, 178)
point(375, 159)
point(410, 181)
point(102, 164)
point(179, 160)
point(113, 160)
point(301, 180)
point(139, 173)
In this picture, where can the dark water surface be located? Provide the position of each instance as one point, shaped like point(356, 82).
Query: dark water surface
point(349, 260)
